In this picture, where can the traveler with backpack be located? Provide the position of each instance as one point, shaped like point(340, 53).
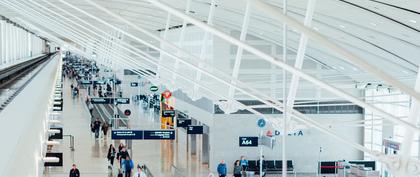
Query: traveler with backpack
point(129, 165)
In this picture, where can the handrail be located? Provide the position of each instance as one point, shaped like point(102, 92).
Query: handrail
point(176, 172)
point(147, 171)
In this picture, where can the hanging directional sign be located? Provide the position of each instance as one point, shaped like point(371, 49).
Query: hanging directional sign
point(85, 82)
point(134, 84)
point(159, 134)
point(126, 134)
point(154, 88)
point(168, 113)
point(101, 100)
point(183, 122)
point(110, 100)
point(122, 100)
point(195, 130)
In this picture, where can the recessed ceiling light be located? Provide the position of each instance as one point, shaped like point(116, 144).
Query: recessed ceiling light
point(342, 26)
point(413, 21)
point(316, 29)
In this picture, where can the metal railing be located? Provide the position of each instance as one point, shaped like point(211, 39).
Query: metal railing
point(176, 172)
point(147, 171)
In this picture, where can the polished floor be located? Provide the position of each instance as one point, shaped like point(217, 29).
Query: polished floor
point(161, 157)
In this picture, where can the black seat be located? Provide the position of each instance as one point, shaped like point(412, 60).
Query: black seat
point(290, 165)
point(252, 165)
point(270, 165)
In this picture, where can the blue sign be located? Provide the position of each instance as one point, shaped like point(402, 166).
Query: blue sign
point(159, 134)
point(248, 141)
point(261, 123)
point(126, 134)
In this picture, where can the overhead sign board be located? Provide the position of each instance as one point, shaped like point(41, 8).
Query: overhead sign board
point(110, 100)
point(159, 134)
point(143, 134)
point(248, 141)
point(122, 100)
point(126, 134)
point(168, 113)
point(183, 122)
point(57, 136)
point(101, 100)
point(195, 130)
point(134, 84)
point(391, 144)
point(58, 155)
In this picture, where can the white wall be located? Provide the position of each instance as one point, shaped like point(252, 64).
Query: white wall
point(303, 150)
point(22, 128)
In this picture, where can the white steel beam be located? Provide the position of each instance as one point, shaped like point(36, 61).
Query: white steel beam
point(181, 42)
point(350, 57)
point(281, 64)
point(195, 94)
point(239, 51)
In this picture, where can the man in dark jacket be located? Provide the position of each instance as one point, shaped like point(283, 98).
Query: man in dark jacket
point(96, 127)
point(74, 172)
point(222, 169)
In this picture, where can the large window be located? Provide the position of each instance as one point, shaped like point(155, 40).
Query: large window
point(377, 128)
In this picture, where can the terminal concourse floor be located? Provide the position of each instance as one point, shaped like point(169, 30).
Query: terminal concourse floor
point(90, 154)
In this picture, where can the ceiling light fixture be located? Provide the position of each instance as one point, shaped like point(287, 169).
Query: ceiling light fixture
point(342, 26)
point(413, 21)
point(316, 29)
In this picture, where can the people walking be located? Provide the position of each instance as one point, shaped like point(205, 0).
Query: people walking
point(96, 127)
point(222, 169)
point(122, 156)
point(105, 127)
point(244, 163)
point(111, 154)
point(74, 172)
point(129, 165)
point(237, 169)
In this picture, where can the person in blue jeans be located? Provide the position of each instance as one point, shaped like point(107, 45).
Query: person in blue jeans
point(222, 169)
point(244, 163)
